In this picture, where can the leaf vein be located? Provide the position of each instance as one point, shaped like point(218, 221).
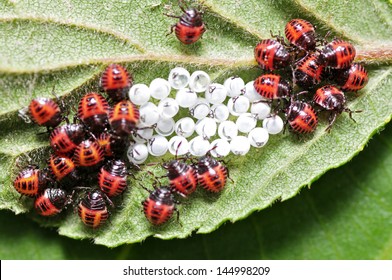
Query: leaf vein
point(94, 28)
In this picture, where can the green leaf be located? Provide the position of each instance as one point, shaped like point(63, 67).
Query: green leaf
point(345, 215)
point(68, 44)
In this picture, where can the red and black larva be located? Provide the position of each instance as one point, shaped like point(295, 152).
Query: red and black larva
point(353, 78)
point(51, 202)
point(31, 181)
point(182, 177)
point(271, 55)
point(308, 71)
point(88, 154)
point(272, 86)
point(211, 174)
point(159, 206)
point(92, 209)
point(301, 117)
point(113, 145)
point(116, 82)
point(112, 178)
point(190, 26)
point(64, 139)
point(123, 118)
point(64, 171)
point(301, 33)
point(45, 112)
point(332, 99)
point(337, 54)
point(93, 112)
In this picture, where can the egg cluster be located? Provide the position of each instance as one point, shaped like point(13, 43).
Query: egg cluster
point(221, 118)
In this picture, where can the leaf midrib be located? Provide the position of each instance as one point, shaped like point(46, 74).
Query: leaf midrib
point(88, 27)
